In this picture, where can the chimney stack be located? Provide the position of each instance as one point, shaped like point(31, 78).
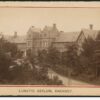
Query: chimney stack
point(54, 25)
point(15, 34)
point(91, 27)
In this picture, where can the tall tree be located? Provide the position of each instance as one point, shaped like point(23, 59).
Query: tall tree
point(31, 57)
point(70, 57)
point(87, 55)
point(42, 55)
point(88, 47)
point(97, 55)
point(53, 56)
point(5, 59)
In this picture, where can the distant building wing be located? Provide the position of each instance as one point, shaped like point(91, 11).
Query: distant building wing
point(67, 37)
point(18, 39)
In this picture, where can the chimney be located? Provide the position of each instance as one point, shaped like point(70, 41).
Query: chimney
point(91, 27)
point(32, 26)
point(15, 34)
point(61, 31)
point(54, 26)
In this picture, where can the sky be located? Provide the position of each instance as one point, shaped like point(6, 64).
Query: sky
point(66, 19)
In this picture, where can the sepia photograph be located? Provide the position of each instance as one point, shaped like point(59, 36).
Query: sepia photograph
point(49, 47)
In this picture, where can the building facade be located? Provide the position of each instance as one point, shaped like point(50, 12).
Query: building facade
point(20, 41)
point(38, 39)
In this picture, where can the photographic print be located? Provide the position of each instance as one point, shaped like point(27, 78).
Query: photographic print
point(49, 49)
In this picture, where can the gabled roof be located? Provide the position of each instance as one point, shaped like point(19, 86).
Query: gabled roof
point(33, 32)
point(50, 28)
point(47, 29)
point(34, 29)
point(90, 33)
point(67, 37)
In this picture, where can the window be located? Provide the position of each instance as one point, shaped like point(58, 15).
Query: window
point(29, 43)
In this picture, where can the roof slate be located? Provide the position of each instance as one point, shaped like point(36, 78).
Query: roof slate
point(67, 37)
point(90, 33)
point(18, 39)
point(47, 28)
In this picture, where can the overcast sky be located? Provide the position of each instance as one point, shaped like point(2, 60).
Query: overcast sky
point(67, 19)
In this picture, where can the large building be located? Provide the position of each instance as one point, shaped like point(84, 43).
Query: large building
point(20, 41)
point(38, 39)
point(66, 39)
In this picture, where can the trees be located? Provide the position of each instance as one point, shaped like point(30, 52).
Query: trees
point(87, 59)
point(88, 47)
point(98, 36)
point(53, 56)
point(22, 72)
point(5, 59)
point(29, 70)
point(8, 47)
point(90, 56)
point(71, 58)
point(42, 57)
point(87, 54)
point(5, 62)
point(97, 55)
point(31, 57)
